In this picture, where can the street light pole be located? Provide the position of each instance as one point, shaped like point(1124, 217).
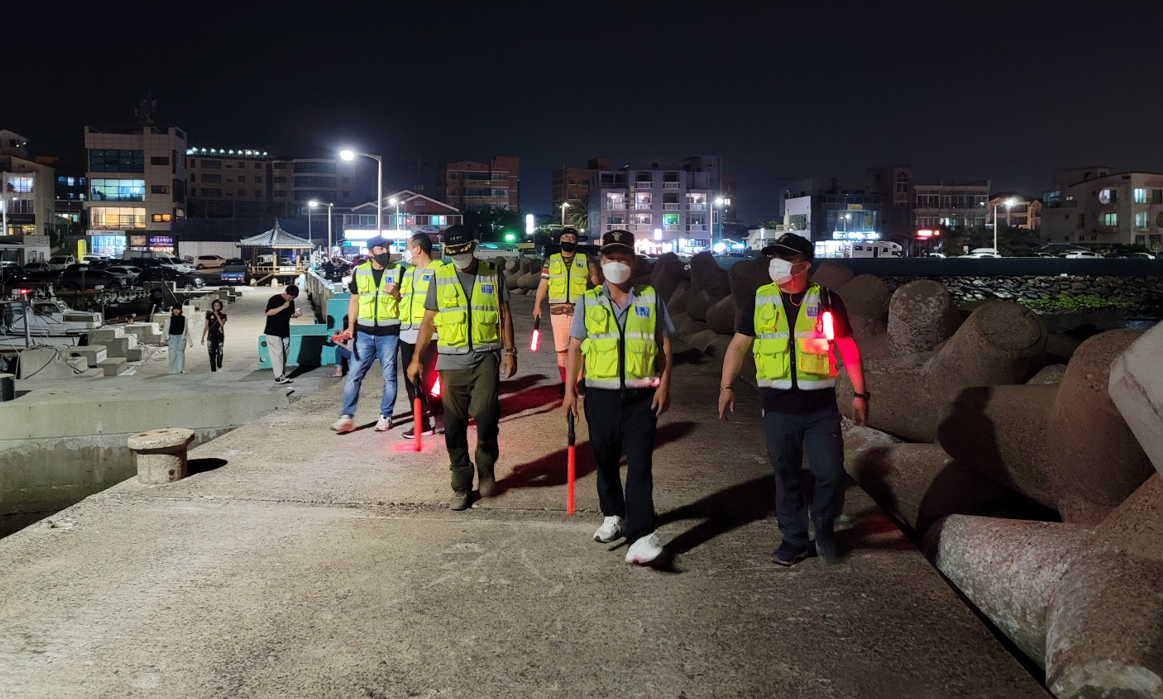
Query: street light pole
point(719, 203)
point(348, 154)
point(396, 203)
point(1009, 204)
point(564, 206)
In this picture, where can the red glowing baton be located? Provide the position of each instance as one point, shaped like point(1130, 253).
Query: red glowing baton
point(571, 470)
point(418, 410)
point(435, 388)
point(535, 343)
point(829, 326)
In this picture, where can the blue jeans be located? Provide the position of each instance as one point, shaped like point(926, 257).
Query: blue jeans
point(788, 436)
point(369, 348)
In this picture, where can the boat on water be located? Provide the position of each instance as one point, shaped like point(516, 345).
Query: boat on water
point(50, 320)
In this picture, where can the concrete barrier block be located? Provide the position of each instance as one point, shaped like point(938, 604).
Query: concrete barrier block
point(161, 454)
point(102, 335)
point(116, 347)
point(135, 354)
point(1136, 387)
point(113, 366)
point(92, 353)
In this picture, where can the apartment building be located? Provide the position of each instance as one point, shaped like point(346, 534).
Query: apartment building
point(137, 187)
point(1097, 208)
point(668, 204)
point(833, 214)
point(571, 185)
point(251, 183)
point(951, 204)
point(471, 186)
point(27, 205)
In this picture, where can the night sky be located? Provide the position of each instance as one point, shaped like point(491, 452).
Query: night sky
point(1007, 91)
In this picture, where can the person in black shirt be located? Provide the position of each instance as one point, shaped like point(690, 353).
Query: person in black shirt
point(796, 329)
point(177, 337)
point(215, 330)
point(280, 311)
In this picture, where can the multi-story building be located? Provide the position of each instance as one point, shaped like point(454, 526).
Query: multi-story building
point(226, 183)
point(1025, 212)
point(572, 184)
point(26, 189)
point(70, 194)
point(404, 213)
point(137, 187)
point(1097, 208)
point(667, 204)
point(826, 211)
point(951, 204)
point(473, 186)
point(894, 183)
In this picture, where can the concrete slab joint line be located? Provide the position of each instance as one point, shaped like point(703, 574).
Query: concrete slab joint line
point(161, 454)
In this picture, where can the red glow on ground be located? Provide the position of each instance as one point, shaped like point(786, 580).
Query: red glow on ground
point(426, 444)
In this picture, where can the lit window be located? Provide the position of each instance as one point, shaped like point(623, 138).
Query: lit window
point(117, 190)
point(1140, 196)
point(1108, 196)
point(117, 217)
point(1110, 219)
point(160, 218)
point(1141, 216)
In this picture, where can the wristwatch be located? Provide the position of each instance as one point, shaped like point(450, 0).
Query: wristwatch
point(511, 350)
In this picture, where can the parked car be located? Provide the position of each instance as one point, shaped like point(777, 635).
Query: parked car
point(209, 262)
point(979, 255)
point(35, 267)
point(93, 260)
point(131, 271)
point(42, 277)
point(1084, 255)
point(233, 272)
point(168, 274)
point(79, 276)
point(1142, 256)
point(936, 254)
point(59, 262)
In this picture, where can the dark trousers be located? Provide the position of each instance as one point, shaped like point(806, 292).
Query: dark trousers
point(617, 420)
point(471, 392)
point(214, 345)
point(407, 350)
point(788, 436)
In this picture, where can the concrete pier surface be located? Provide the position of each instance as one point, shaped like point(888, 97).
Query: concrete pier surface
point(294, 562)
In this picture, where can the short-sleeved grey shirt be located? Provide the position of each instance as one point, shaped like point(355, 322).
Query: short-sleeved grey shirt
point(452, 362)
point(664, 326)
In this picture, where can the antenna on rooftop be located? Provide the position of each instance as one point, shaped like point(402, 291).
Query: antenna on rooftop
point(146, 109)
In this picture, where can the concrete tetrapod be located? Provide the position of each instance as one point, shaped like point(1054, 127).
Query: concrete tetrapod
point(832, 275)
point(866, 298)
point(1084, 603)
point(1136, 387)
point(921, 315)
point(161, 454)
point(667, 274)
point(1000, 343)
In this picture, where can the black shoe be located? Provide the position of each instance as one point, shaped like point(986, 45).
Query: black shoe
point(787, 555)
point(827, 549)
point(461, 500)
point(425, 431)
point(488, 487)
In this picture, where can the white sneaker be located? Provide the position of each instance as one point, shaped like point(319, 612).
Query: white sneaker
point(383, 424)
point(343, 425)
point(644, 551)
point(612, 528)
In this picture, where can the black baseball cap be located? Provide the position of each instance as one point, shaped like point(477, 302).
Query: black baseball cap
point(378, 241)
point(458, 239)
point(790, 244)
point(618, 240)
point(568, 231)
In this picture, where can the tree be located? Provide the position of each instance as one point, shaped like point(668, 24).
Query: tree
point(578, 213)
point(490, 225)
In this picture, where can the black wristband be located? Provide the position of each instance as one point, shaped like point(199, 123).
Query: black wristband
point(865, 396)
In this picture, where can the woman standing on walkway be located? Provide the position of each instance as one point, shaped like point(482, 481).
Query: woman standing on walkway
point(214, 329)
point(177, 337)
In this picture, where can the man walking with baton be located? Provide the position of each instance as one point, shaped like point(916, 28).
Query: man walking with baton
point(623, 331)
point(564, 278)
point(795, 330)
point(468, 305)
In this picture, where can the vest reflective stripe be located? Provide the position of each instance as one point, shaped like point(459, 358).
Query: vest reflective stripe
point(377, 308)
point(567, 282)
point(621, 357)
point(465, 325)
point(412, 299)
point(815, 362)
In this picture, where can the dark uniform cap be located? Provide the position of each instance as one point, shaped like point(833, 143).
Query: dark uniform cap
point(790, 244)
point(458, 239)
point(618, 240)
point(377, 241)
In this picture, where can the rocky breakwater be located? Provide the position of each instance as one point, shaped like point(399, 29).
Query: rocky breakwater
point(1137, 295)
point(1036, 490)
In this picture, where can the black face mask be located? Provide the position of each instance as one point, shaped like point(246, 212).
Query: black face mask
point(568, 247)
point(383, 258)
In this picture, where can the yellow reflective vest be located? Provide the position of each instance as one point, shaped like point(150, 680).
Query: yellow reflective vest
point(621, 356)
point(567, 282)
point(815, 361)
point(462, 324)
point(376, 306)
point(412, 299)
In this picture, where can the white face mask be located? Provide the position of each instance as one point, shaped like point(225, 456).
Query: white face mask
point(462, 260)
point(616, 272)
point(407, 256)
point(780, 271)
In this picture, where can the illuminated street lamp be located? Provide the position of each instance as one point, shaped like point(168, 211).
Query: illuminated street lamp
point(349, 154)
point(1008, 204)
point(719, 202)
point(313, 203)
point(396, 203)
point(564, 206)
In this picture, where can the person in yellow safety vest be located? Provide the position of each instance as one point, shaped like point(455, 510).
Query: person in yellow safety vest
point(795, 330)
point(468, 305)
point(419, 274)
point(623, 332)
point(565, 276)
point(373, 320)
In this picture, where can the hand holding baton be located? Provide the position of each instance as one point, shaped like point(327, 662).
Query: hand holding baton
point(571, 469)
point(535, 343)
